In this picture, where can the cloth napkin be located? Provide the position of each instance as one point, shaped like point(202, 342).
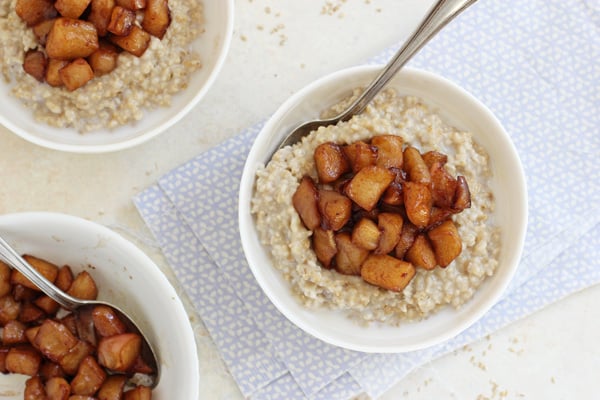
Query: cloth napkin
point(536, 65)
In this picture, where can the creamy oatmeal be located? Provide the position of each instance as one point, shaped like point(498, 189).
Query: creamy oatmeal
point(282, 231)
point(118, 98)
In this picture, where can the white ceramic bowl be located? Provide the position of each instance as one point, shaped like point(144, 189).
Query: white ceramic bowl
point(126, 277)
point(458, 108)
point(212, 45)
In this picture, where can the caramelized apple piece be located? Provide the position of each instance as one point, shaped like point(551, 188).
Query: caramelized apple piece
point(407, 238)
point(421, 253)
point(9, 309)
point(415, 167)
point(46, 304)
point(136, 42)
point(366, 234)
point(71, 38)
point(107, 322)
point(49, 370)
point(389, 150)
point(462, 196)
point(438, 215)
point(14, 333)
point(393, 194)
point(54, 340)
point(433, 157)
point(65, 278)
point(443, 186)
point(30, 313)
point(34, 389)
point(35, 11)
point(156, 18)
point(24, 294)
point(3, 352)
point(35, 63)
point(387, 272)
point(132, 4)
point(71, 8)
point(360, 155)
point(72, 359)
point(391, 227)
point(138, 393)
point(335, 209)
point(83, 287)
point(324, 246)
point(41, 30)
point(52, 72)
point(5, 273)
point(446, 243)
point(103, 60)
point(367, 186)
point(121, 21)
point(90, 376)
point(23, 360)
point(57, 388)
point(330, 162)
point(305, 201)
point(350, 256)
point(418, 203)
point(119, 352)
point(76, 74)
point(100, 14)
point(112, 388)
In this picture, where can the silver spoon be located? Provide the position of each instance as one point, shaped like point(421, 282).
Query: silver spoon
point(439, 16)
point(82, 307)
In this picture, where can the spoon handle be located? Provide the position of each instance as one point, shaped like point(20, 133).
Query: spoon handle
point(14, 259)
point(439, 16)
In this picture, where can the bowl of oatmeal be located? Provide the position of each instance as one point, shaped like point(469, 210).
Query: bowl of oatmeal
point(430, 114)
point(123, 275)
point(142, 97)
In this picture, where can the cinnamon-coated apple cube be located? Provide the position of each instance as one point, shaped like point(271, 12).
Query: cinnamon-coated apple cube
point(390, 225)
point(136, 42)
point(443, 186)
point(324, 246)
point(30, 313)
point(418, 203)
point(138, 393)
point(90, 377)
point(23, 359)
point(121, 21)
point(34, 389)
point(415, 167)
point(367, 186)
point(360, 155)
point(14, 333)
point(46, 304)
point(70, 362)
point(107, 321)
point(41, 30)
point(103, 60)
point(407, 237)
point(83, 287)
point(330, 162)
point(49, 370)
point(54, 340)
point(112, 388)
point(64, 278)
point(119, 352)
point(446, 243)
point(387, 272)
point(52, 72)
point(421, 253)
point(432, 157)
point(71, 38)
point(35, 63)
point(35, 11)
point(366, 234)
point(156, 18)
point(71, 8)
point(9, 309)
point(389, 150)
point(57, 388)
point(100, 14)
point(462, 196)
point(335, 209)
point(305, 202)
point(350, 257)
point(76, 74)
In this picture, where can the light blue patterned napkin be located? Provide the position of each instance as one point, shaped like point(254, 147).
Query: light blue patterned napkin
point(537, 66)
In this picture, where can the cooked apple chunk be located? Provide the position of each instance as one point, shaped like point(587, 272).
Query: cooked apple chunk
point(41, 30)
point(121, 21)
point(35, 64)
point(35, 11)
point(119, 352)
point(324, 246)
point(390, 225)
point(335, 209)
point(389, 150)
point(136, 42)
point(103, 60)
point(415, 166)
point(156, 18)
point(446, 243)
point(90, 377)
point(443, 186)
point(100, 14)
point(71, 38)
point(23, 360)
point(418, 203)
point(367, 186)
point(350, 257)
point(305, 201)
point(421, 253)
point(330, 162)
point(76, 74)
point(71, 8)
point(48, 270)
point(387, 272)
point(132, 4)
point(366, 234)
point(462, 196)
point(360, 155)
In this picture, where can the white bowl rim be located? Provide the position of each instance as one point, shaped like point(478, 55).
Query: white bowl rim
point(160, 128)
point(262, 141)
point(26, 218)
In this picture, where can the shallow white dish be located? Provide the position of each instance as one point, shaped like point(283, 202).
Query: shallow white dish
point(458, 108)
point(212, 45)
point(125, 277)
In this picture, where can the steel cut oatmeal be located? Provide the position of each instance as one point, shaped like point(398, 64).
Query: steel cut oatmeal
point(289, 241)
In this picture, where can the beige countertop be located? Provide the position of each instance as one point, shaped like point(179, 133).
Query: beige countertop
point(277, 48)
